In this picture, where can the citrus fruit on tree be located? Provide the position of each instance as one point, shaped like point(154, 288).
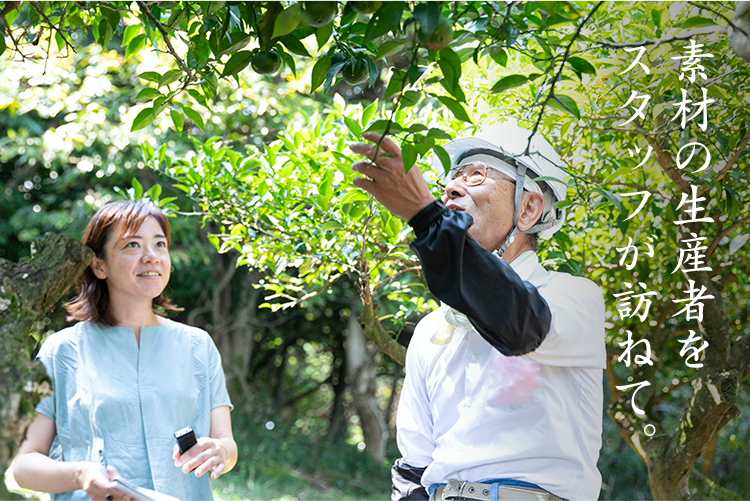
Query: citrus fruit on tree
point(365, 7)
point(266, 62)
point(438, 39)
point(355, 73)
point(320, 13)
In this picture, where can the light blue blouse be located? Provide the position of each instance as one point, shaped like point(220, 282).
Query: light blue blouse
point(109, 391)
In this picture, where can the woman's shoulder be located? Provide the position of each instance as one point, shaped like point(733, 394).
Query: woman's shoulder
point(185, 331)
point(67, 337)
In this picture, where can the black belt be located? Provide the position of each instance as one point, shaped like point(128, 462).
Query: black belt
point(458, 490)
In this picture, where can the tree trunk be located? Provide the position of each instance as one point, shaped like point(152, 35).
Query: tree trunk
point(28, 290)
point(361, 382)
point(337, 423)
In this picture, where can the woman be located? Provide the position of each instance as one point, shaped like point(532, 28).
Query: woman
point(126, 379)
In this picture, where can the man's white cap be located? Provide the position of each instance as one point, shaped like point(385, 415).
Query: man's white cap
point(508, 140)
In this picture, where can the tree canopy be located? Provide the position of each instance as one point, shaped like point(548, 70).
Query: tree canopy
point(606, 83)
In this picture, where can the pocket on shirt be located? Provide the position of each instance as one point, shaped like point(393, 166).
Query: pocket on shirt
point(514, 382)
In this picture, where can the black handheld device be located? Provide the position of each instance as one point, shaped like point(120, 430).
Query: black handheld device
point(185, 439)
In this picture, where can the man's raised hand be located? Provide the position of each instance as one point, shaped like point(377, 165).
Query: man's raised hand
point(403, 194)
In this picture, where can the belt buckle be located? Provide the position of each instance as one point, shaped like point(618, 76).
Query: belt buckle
point(454, 490)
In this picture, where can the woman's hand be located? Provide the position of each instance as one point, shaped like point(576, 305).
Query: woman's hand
point(96, 484)
point(217, 452)
point(207, 454)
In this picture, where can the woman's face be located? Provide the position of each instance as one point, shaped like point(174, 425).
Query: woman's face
point(137, 266)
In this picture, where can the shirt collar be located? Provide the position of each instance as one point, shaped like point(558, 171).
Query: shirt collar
point(525, 264)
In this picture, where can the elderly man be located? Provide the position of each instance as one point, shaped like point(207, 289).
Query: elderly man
point(503, 391)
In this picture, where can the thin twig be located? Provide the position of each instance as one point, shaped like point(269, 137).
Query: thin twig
point(144, 8)
point(557, 77)
point(414, 268)
point(725, 18)
point(680, 36)
point(735, 156)
point(41, 13)
point(717, 238)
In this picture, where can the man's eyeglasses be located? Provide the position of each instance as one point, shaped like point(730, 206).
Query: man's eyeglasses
point(474, 174)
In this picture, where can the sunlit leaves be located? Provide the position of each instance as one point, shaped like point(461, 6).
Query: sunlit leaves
point(456, 108)
point(508, 82)
point(237, 62)
point(194, 116)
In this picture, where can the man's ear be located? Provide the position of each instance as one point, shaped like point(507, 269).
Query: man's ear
point(532, 208)
point(99, 268)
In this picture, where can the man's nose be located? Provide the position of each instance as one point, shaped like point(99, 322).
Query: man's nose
point(456, 188)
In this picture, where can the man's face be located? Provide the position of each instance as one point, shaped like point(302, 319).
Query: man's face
point(490, 204)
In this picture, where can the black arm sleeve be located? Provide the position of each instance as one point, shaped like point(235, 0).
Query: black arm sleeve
point(506, 311)
point(406, 482)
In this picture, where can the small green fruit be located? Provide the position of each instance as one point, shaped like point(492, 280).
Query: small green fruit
point(357, 73)
point(266, 62)
point(365, 7)
point(320, 13)
point(438, 39)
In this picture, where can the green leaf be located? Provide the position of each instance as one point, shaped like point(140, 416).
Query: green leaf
point(137, 189)
point(234, 42)
point(237, 63)
point(169, 77)
point(456, 108)
point(177, 120)
point(507, 83)
point(323, 33)
point(105, 32)
point(369, 112)
point(331, 74)
point(200, 98)
point(566, 104)
point(395, 83)
point(389, 48)
point(148, 93)
point(353, 126)
point(154, 192)
point(267, 25)
point(331, 225)
point(287, 21)
point(380, 126)
point(697, 22)
point(450, 65)
point(144, 117)
point(2, 43)
point(151, 76)
point(386, 18)
point(409, 155)
point(372, 68)
point(609, 196)
point(319, 72)
point(581, 65)
point(294, 45)
point(428, 15)
point(288, 59)
point(130, 33)
point(499, 55)
point(445, 159)
point(135, 46)
point(194, 116)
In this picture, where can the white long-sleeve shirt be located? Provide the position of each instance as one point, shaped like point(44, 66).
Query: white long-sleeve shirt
point(467, 412)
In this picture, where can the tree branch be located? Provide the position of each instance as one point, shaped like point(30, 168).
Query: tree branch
point(735, 156)
point(557, 77)
point(144, 8)
point(49, 22)
point(717, 238)
point(680, 36)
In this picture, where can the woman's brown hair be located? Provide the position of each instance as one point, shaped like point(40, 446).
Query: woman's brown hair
point(92, 301)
